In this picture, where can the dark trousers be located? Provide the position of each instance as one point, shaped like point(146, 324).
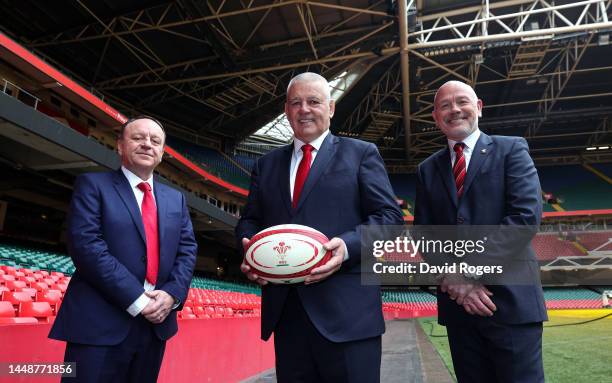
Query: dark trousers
point(490, 352)
point(137, 359)
point(304, 355)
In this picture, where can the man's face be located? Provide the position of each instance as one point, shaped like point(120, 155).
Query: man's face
point(307, 109)
point(456, 110)
point(141, 147)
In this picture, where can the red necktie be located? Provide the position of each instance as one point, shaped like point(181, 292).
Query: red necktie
point(302, 173)
point(149, 219)
point(459, 168)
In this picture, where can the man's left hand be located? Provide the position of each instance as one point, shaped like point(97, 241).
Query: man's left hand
point(457, 287)
point(337, 247)
point(161, 307)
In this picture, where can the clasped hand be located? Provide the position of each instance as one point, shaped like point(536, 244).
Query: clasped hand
point(472, 295)
point(158, 307)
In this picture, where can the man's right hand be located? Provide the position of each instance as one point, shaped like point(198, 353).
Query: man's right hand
point(247, 269)
point(478, 301)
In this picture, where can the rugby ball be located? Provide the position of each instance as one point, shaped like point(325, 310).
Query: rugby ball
point(286, 254)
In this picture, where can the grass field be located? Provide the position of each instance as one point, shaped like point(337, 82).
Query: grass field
point(572, 354)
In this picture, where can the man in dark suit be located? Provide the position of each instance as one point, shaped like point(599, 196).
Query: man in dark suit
point(495, 332)
point(329, 328)
point(131, 240)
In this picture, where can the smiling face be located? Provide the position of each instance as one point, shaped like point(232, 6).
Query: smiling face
point(456, 110)
point(308, 109)
point(141, 147)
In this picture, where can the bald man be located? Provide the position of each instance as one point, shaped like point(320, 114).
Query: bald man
point(495, 332)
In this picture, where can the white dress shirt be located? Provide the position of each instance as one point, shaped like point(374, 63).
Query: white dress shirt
point(141, 302)
point(470, 144)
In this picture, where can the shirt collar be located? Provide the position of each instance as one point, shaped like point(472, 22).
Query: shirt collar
point(297, 143)
point(469, 141)
point(133, 179)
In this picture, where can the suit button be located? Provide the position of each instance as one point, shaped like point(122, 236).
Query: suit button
point(460, 220)
point(143, 259)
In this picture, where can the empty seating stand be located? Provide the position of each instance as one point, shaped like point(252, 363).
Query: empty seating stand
point(550, 246)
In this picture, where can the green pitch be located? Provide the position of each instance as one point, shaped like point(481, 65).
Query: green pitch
point(572, 354)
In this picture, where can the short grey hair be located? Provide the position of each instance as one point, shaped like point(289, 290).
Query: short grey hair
point(311, 77)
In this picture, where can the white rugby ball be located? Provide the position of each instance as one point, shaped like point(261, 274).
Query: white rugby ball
point(286, 254)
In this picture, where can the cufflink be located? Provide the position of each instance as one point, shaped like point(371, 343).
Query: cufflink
point(483, 151)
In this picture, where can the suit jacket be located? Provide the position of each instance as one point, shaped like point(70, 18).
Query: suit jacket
point(106, 241)
point(501, 187)
point(347, 186)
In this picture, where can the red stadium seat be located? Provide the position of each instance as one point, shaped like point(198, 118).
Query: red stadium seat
point(53, 297)
point(39, 310)
point(16, 297)
point(61, 287)
point(5, 278)
point(187, 310)
point(9, 270)
point(6, 310)
point(38, 276)
point(39, 286)
point(17, 320)
point(27, 279)
point(30, 291)
point(16, 285)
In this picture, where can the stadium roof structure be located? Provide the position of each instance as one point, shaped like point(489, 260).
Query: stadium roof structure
point(216, 71)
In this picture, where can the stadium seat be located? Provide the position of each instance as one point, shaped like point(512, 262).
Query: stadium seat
point(53, 297)
point(9, 270)
point(61, 287)
point(29, 290)
point(38, 310)
point(27, 279)
point(6, 277)
point(39, 286)
point(6, 310)
point(16, 297)
point(17, 320)
point(15, 285)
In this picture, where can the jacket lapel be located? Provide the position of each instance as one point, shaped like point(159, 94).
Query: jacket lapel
point(162, 206)
point(284, 176)
point(443, 162)
point(324, 156)
point(127, 195)
point(161, 202)
point(479, 155)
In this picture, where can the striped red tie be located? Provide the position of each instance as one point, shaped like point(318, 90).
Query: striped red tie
point(302, 173)
point(149, 219)
point(459, 168)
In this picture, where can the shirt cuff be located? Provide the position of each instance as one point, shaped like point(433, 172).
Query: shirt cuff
point(139, 304)
point(346, 254)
